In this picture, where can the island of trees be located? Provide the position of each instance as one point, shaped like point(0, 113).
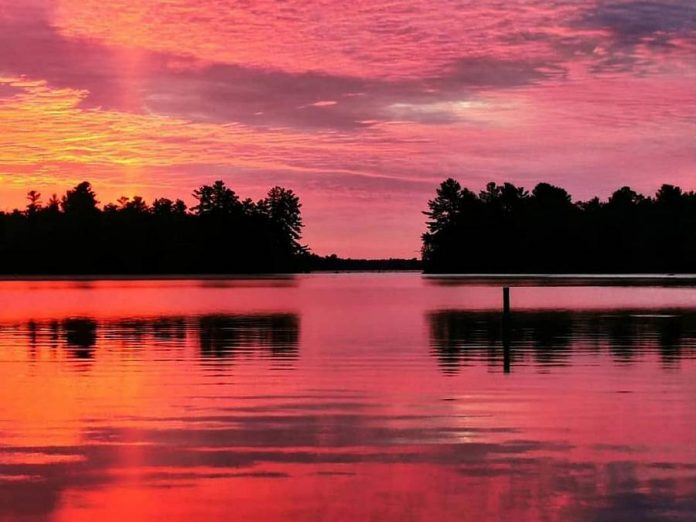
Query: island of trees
point(507, 229)
point(220, 234)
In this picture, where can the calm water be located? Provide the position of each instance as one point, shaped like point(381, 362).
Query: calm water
point(345, 398)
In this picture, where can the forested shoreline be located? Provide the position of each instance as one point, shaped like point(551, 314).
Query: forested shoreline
point(220, 234)
point(507, 229)
point(501, 229)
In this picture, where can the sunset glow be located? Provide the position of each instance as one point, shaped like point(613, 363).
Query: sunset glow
point(334, 397)
point(361, 107)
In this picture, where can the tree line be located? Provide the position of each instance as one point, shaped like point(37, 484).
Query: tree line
point(220, 234)
point(507, 229)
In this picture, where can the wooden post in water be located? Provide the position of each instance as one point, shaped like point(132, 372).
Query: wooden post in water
point(506, 329)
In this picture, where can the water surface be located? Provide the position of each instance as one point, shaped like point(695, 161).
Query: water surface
point(346, 397)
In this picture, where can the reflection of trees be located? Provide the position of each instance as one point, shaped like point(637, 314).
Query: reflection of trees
point(548, 336)
point(80, 336)
point(670, 339)
point(130, 330)
point(462, 337)
point(275, 335)
point(167, 328)
point(458, 338)
point(621, 335)
point(140, 331)
point(223, 335)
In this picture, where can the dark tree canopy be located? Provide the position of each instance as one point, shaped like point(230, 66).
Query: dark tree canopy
point(80, 201)
point(506, 229)
point(220, 234)
point(216, 200)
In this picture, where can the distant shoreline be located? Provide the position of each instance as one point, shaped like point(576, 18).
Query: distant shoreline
point(184, 277)
point(465, 279)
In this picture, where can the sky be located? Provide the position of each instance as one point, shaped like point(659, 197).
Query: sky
point(361, 107)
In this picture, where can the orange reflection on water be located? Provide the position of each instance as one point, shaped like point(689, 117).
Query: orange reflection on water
point(344, 397)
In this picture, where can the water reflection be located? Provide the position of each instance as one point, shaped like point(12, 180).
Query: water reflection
point(225, 335)
point(169, 329)
point(548, 339)
point(80, 336)
point(394, 407)
point(565, 280)
point(218, 336)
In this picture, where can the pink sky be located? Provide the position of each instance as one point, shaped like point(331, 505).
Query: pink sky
point(361, 107)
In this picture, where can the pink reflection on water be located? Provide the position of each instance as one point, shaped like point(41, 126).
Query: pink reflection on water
point(341, 292)
point(326, 398)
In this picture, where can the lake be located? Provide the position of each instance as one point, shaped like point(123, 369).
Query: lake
point(345, 397)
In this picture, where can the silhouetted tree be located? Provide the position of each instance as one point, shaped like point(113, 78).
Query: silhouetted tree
point(53, 206)
point(34, 204)
point(444, 209)
point(221, 235)
point(137, 206)
point(669, 196)
point(282, 207)
point(80, 201)
point(216, 199)
point(507, 229)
